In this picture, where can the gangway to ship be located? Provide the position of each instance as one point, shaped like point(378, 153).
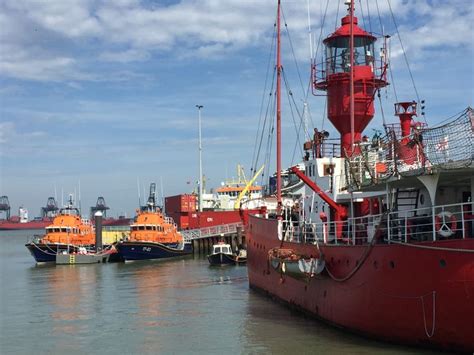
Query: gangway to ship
point(209, 232)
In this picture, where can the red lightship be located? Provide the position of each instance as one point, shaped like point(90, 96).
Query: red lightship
point(383, 244)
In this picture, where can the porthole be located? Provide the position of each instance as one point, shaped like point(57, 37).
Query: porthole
point(442, 263)
point(392, 264)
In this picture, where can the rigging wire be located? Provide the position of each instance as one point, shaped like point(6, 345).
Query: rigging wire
point(381, 110)
point(293, 51)
point(255, 153)
point(324, 113)
point(405, 55)
point(323, 22)
point(380, 18)
point(392, 79)
point(368, 15)
point(269, 113)
point(291, 102)
point(337, 15)
point(362, 13)
point(271, 129)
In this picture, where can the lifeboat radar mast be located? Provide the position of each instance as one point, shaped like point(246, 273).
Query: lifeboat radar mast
point(351, 76)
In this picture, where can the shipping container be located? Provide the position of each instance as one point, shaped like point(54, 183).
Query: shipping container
point(196, 220)
point(180, 203)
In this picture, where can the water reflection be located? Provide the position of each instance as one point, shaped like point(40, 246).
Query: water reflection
point(177, 306)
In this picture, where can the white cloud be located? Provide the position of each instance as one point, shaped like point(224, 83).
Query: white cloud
point(72, 18)
point(126, 56)
point(59, 40)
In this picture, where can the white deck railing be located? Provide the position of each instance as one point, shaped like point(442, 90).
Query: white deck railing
point(426, 224)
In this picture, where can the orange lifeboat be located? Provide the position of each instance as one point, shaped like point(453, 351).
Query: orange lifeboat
point(68, 232)
point(153, 235)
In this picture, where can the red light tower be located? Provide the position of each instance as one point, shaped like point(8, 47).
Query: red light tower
point(409, 149)
point(405, 111)
point(351, 78)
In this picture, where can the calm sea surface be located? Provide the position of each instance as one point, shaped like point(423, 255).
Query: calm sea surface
point(168, 307)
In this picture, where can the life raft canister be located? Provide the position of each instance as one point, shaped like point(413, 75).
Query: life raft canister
point(445, 224)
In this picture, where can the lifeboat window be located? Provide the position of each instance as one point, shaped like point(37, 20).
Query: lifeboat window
point(148, 228)
point(141, 228)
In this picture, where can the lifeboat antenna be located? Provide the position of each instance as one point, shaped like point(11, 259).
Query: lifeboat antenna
point(138, 188)
point(162, 195)
point(278, 116)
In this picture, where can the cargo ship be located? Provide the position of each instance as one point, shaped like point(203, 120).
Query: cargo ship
point(68, 232)
point(22, 220)
point(230, 203)
point(15, 223)
point(385, 248)
point(152, 235)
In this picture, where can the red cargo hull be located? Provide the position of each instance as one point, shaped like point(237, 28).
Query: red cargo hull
point(7, 225)
point(400, 293)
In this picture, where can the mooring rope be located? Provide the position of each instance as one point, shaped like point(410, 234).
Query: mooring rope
point(364, 256)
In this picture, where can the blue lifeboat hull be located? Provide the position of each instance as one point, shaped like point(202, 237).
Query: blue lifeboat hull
point(46, 253)
point(131, 250)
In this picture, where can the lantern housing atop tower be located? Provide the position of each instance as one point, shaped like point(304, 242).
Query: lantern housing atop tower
point(351, 81)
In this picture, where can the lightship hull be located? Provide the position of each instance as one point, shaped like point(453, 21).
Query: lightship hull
point(131, 250)
point(400, 293)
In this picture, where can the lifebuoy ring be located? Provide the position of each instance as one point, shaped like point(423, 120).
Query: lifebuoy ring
point(445, 224)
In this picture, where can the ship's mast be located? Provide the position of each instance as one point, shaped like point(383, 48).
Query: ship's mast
point(278, 117)
point(351, 48)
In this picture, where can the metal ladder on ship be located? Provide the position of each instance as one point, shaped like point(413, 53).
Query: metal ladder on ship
point(404, 207)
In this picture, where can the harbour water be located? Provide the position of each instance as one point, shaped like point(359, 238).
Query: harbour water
point(168, 307)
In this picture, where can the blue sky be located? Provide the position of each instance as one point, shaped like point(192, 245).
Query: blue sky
point(104, 92)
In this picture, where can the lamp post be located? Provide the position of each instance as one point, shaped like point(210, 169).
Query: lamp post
point(199, 107)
